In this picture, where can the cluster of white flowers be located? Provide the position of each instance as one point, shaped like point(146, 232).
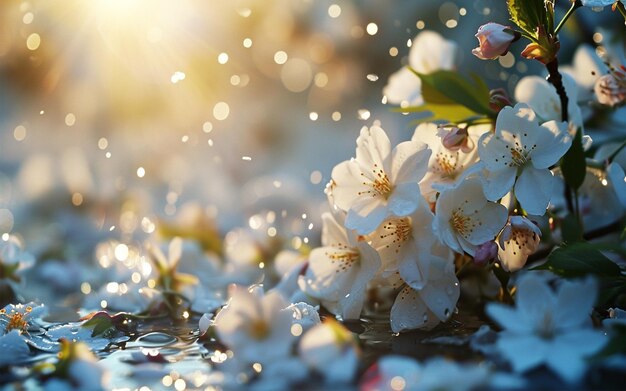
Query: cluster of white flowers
point(268, 335)
point(382, 231)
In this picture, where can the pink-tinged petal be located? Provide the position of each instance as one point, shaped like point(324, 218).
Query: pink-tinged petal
point(552, 143)
point(534, 190)
point(524, 352)
point(509, 318)
point(366, 215)
point(487, 223)
point(573, 308)
point(348, 184)
point(373, 147)
point(409, 312)
point(405, 199)
point(333, 233)
point(409, 162)
point(498, 182)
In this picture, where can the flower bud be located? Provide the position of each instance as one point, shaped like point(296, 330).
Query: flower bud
point(494, 40)
point(499, 99)
point(455, 138)
point(610, 89)
point(485, 253)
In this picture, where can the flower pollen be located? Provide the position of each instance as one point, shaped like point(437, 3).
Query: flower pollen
point(16, 320)
point(381, 185)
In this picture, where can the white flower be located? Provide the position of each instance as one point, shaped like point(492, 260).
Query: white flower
point(586, 68)
point(393, 373)
point(330, 349)
point(547, 327)
point(543, 99)
point(445, 165)
point(339, 271)
point(426, 307)
point(430, 52)
point(379, 182)
point(404, 245)
point(20, 317)
point(519, 239)
point(254, 326)
point(464, 218)
point(519, 154)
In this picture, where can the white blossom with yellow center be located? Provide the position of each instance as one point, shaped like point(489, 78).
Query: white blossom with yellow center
point(464, 218)
point(518, 156)
point(379, 182)
point(339, 271)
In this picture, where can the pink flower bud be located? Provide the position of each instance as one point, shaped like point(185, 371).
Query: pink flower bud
point(494, 40)
point(455, 138)
point(498, 99)
point(485, 253)
point(611, 89)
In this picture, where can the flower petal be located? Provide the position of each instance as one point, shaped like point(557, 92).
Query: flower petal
point(573, 309)
point(553, 141)
point(534, 190)
point(524, 352)
point(366, 215)
point(404, 199)
point(410, 312)
point(409, 162)
point(497, 183)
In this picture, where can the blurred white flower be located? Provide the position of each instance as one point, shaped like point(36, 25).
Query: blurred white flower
point(13, 259)
point(518, 155)
point(547, 327)
point(543, 99)
point(392, 373)
point(331, 350)
point(339, 271)
point(254, 326)
point(430, 52)
point(379, 182)
point(610, 89)
point(519, 239)
point(464, 218)
point(77, 369)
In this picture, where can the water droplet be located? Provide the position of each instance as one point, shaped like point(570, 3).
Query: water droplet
point(425, 317)
point(446, 312)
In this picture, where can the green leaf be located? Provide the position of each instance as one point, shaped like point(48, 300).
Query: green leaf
point(579, 259)
point(571, 229)
point(453, 113)
point(448, 87)
point(574, 165)
point(528, 15)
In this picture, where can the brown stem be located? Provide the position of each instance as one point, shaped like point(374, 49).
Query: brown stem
point(554, 78)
